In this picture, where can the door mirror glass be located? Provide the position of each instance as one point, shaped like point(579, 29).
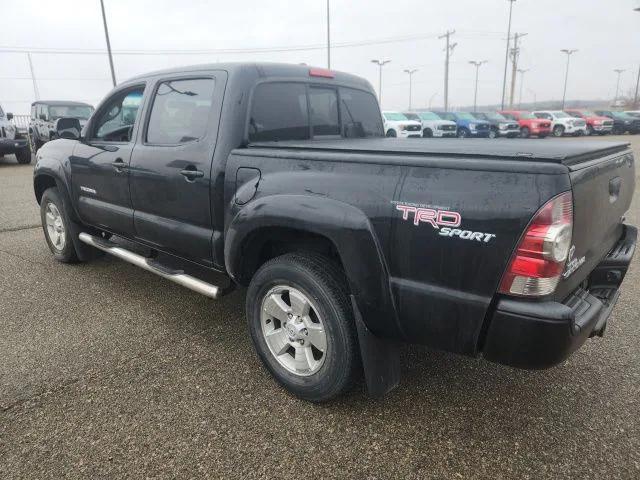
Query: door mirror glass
point(9, 116)
point(68, 128)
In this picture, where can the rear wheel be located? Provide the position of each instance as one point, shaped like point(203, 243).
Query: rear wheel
point(463, 133)
point(525, 132)
point(427, 133)
point(558, 131)
point(56, 223)
point(590, 130)
point(302, 326)
point(493, 133)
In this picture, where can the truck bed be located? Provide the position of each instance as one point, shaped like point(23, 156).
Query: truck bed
point(566, 153)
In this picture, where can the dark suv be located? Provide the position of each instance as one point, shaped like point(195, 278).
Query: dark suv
point(44, 115)
point(622, 122)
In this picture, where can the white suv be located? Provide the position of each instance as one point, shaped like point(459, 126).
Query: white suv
point(397, 125)
point(562, 123)
point(433, 125)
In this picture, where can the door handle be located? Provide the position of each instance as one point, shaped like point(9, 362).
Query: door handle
point(119, 165)
point(191, 174)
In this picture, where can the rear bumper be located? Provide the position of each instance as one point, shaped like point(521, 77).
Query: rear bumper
point(11, 146)
point(536, 335)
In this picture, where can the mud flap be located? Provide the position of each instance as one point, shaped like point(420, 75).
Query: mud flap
point(380, 358)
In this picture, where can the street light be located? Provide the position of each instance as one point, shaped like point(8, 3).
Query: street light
point(431, 99)
point(566, 73)
point(328, 37)
point(506, 55)
point(410, 72)
point(476, 64)
point(619, 72)
point(521, 71)
point(380, 63)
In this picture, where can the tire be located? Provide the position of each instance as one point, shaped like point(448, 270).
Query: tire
point(54, 218)
point(314, 278)
point(427, 133)
point(34, 143)
point(463, 133)
point(579, 133)
point(392, 134)
point(24, 156)
point(590, 130)
point(525, 132)
point(558, 131)
point(493, 133)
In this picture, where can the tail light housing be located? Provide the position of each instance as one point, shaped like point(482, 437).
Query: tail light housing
point(539, 259)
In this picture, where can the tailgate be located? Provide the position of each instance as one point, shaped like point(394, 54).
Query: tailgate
point(602, 192)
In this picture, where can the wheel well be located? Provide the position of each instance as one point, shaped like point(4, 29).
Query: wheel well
point(267, 243)
point(41, 183)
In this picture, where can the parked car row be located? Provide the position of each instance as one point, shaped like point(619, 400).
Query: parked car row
point(510, 123)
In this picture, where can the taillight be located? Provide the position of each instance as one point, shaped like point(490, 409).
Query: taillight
point(537, 264)
point(321, 72)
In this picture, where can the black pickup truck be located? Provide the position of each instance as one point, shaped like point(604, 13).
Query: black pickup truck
point(278, 178)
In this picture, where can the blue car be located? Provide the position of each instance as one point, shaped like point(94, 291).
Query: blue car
point(468, 125)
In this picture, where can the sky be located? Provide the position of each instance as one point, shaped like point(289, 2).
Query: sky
point(606, 33)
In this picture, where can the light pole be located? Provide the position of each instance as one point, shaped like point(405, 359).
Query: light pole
point(476, 64)
point(506, 55)
point(449, 50)
point(566, 73)
point(328, 37)
point(431, 99)
point(619, 72)
point(521, 71)
point(410, 72)
point(380, 63)
point(106, 34)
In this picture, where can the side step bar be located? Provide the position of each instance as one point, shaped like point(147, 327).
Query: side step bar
point(178, 277)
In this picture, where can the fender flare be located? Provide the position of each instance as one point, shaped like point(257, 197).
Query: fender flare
point(350, 231)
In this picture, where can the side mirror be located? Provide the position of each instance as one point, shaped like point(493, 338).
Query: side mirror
point(68, 128)
point(9, 116)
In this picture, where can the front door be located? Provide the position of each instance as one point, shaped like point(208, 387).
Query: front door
point(171, 167)
point(100, 164)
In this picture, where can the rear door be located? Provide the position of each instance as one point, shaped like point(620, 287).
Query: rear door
point(171, 165)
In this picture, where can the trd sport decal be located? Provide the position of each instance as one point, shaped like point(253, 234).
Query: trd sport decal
point(445, 221)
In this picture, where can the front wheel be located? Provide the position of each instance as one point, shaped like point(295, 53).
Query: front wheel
point(34, 143)
point(392, 134)
point(302, 325)
point(590, 130)
point(56, 226)
point(493, 133)
point(427, 133)
point(558, 131)
point(463, 133)
point(525, 132)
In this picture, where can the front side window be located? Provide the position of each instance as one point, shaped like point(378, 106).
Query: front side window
point(115, 122)
point(279, 112)
point(544, 116)
point(41, 112)
point(180, 111)
point(323, 104)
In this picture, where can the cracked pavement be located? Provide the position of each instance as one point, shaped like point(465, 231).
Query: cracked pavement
point(108, 371)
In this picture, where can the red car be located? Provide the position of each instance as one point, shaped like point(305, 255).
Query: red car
point(529, 123)
point(595, 123)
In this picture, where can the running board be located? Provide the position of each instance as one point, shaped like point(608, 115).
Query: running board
point(180, 278)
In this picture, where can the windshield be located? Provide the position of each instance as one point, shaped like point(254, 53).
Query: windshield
point(394, 116)
point(621, 116)
point(527, 116)
point(70, 111)
point(411, 116)
point(561, 115)
point(587, 113)
point(465, 116)
point(494, 116)
point(428, 116)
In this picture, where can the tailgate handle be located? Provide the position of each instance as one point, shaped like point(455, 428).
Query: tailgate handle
point(614, 189)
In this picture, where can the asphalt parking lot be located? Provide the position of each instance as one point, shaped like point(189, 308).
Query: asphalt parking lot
point(108, 371)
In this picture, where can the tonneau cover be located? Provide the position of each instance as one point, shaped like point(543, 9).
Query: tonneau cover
point(552, 150)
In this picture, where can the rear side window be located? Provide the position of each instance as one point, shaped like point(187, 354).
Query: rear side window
point(360, 114)
point(180, 111)
point(324, 111)
point(279, 112)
